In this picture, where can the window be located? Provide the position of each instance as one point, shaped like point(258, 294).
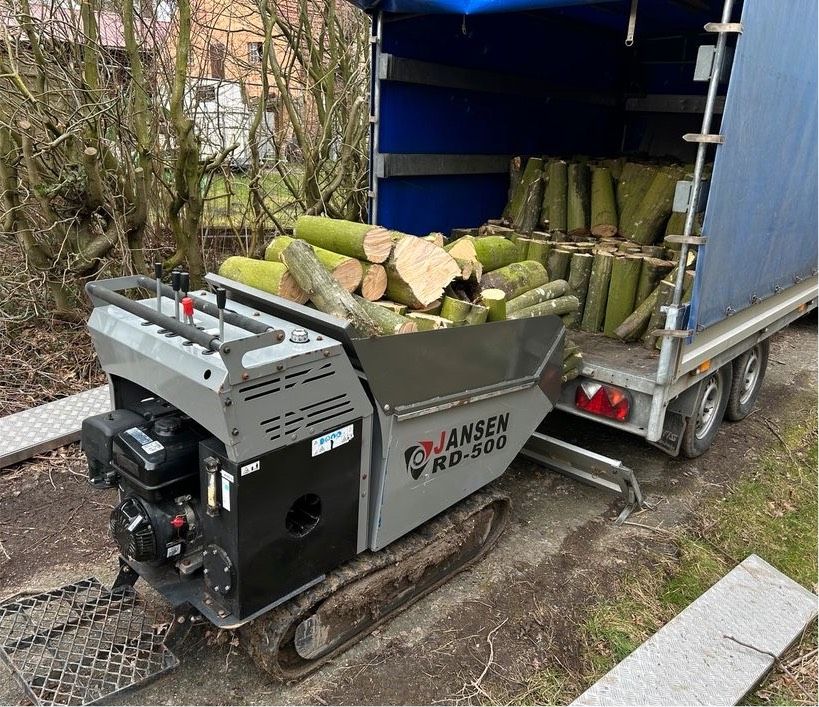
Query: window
point(255, 51)
point(216, 52)
point(205, 93)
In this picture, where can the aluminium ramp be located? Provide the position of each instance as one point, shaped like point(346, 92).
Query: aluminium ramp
point(718, 649)
point(45, 427)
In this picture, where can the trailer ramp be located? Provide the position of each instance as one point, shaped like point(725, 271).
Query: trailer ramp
point(718, 649)
point(82, 643)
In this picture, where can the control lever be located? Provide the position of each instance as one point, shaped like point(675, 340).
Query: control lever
point(185, 283)
point(187, 310)
point(176, 282)
point(221, 301)
point(158, 277)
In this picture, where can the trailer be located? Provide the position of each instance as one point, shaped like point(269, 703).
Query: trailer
point(461, 86)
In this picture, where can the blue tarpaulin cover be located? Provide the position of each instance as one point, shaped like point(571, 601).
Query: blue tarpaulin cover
point(464, 7)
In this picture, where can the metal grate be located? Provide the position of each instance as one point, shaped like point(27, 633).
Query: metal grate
point(82, 643)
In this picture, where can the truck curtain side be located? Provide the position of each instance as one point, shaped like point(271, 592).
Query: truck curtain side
point(460, 86)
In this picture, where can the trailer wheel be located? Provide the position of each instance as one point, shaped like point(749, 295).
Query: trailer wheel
point(702, 426)
point(746, 382)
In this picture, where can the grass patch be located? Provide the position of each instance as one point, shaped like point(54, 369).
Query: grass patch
point(227, 204)
point(772, 512)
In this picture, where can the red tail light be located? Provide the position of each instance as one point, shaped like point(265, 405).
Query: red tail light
point(603, 400)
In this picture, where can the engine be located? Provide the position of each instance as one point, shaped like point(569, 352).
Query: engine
point(152, 456)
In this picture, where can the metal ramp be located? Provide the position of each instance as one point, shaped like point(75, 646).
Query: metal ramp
point(82, 643)
point(718, 649)
point(45, 427)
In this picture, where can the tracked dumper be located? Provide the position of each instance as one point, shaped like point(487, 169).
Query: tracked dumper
point(280, 476)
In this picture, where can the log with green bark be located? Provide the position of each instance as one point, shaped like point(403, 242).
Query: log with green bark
point(515, 174)
point(346, 270)
point(263, 275)
point(558, 179)
point(388, 321)
point(356, 240)
point(652, 271)
point(615, 166)
point(594, 311)
point(436, 237)
point(633, 190)
point(578, 199)
point(324, 292)
point(373, 282)
point(494, 252)
point(559, 306)
point(551, 290)
point(522, 244)
point(392, 306)
point(656, 320)
point(524, 204)
point(579, 275)
point(516, 278)
point(455, 309)
point(558, 263)
point(634, 325)
point(543, 220)
point(428, 322)
point(418, 271)
point(645, 223)
point(625, 273)
point(495, 302)
point(603, 204)
point(538, 251)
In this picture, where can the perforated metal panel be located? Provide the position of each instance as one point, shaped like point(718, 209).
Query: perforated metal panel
point(82, 643)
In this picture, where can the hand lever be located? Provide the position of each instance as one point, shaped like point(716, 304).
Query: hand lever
point(176, 282)
point(221, 301)
point(158, 276)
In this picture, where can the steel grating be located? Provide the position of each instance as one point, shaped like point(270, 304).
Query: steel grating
point(717, 649)
point(82, 643)
point(48, 426)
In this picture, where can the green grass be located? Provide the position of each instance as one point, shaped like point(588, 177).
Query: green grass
point(771, 512)
point(227, 204)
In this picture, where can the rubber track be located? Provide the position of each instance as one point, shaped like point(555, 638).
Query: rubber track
point(267, 637)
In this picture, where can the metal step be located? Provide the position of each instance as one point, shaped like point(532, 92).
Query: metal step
point(82, 643)
point(45, 427)
point(718, 649)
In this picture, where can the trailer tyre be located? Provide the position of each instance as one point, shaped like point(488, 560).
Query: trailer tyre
point(702, 426)
point(748, 374)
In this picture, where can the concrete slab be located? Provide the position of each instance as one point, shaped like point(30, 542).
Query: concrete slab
point(45, 427)
point(717, 649)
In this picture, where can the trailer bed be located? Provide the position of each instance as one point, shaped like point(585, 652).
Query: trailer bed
point(632, 361)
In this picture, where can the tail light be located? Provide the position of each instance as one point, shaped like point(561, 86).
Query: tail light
point(603, 400)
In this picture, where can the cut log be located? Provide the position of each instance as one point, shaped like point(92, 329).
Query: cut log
point(457, 233)
point(558, 176)
point(543, 221)
point(558, 263)
point(388, 322)
point(263, 275)
point(652, 271)
point(578, 200)
point(495, 302)
point(597, 295)
point(436, 238)
point(374, 281)
point(538, 251)
point(632, 193)
point(428, 322)
point(615, 167)
point(579, 275)
point(454, 309)
point(625, 272)
point(357, 240)
point(494, 252)
point(418, 271)
point(656, 320)
point(551, 290)
point(324, 292)
point(433, 308)
point(645, 224)
point(574, 361)
point(515, 174)
point(653, 251)
point(559, 306)
point(392, 306)
point(634, 325)
point(516, 278)
point(347, 271)
point(492, 229)
point(524, 205)
point(478, 314)
point(603, 204)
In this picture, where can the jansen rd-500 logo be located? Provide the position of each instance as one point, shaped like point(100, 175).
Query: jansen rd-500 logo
point(456, 444)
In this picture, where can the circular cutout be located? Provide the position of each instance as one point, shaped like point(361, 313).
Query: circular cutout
point(207, 373)
point(303, 515)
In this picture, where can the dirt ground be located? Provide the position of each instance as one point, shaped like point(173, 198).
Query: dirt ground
point(521, 604)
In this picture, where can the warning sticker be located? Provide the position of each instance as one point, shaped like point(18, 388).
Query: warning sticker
point(152, 448)
point(331, 440)
point(225, 494)
point(250, 468)
point(139, 435)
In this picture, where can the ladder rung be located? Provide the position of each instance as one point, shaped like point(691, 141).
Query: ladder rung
point(673, 333)
point(699, 137)
point(690, 240)
point(724, 27)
